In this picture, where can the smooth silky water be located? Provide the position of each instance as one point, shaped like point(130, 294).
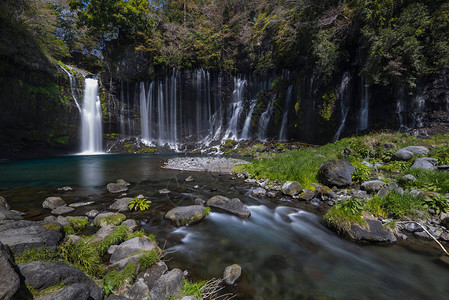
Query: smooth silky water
point(285, 252)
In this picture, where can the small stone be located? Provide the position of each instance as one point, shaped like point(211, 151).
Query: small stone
point(291, 188)
point(189, 179)
point(153, 273)
point(50, 219)
point(62, 210)
point(164, 192)
point(373, 186)
point(119, 187)
point(186, 215)
point(259, 192)
point(122, 182)
point(53, 202)
point(272, 194)
point(407, 178)
point(232, 273)
point(65, 189)
point(392, 185)
point(4, 204)
point(383, 192)
point(196, 186)
point(389, 147)
point(233, 206)
point(139, 290)
point(92, 214)
point(412, 227)
point(121, 204)
point(315, 202)
point(418, 150)
point(403, 155)
point(199, 201)
point(71, 238)
point(63, 221)
point(307, 195)
point(130, 223)
point(80, 204)
point(111, 219)
point(167, 285)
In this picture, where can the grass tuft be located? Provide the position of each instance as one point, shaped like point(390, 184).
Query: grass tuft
point(36, 254)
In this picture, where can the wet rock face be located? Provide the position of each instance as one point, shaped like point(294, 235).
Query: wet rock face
point(53, 202)
point(233, 206)
point(9, 279)
point(232, 273)
point(291, 188)
point(336, 173)
point(186, 215)
point(168, 285)
point(374, 232)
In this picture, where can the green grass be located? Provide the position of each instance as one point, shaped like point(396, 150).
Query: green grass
point(69, 230)
point(117, 236)
point(82, 256)
point(35, 254)
point(428, 180)
point(115, 219)
point(78, 224)
point(41, 293)
point(193, 289)
point(115, 279)
point(344, 213)
point(148, 259)
point(396, 205)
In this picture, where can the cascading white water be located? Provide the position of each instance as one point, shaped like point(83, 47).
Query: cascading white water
point(344, 104)
point(364, 106)
point(400, 110)
point(265, 120)
point(72, 87)
point(91, 134)
point(144, 114)
point(419, 105)
point(236, 108)
point(247, 125)
point(288, 99)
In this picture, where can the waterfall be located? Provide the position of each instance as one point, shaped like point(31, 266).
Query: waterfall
point(161, 115)
point(144, 114)
point(419, 104)
point(91, 135)
point(265, 120)
point(247, 125)
point(236, 108)
point(344, 103)
point(400, 110)
point(72, 87)
point(122, 110)
point(288, 99)
point(364, 106)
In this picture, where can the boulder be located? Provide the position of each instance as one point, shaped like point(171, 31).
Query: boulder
point(131, 224)
point(259, 192)
point(233, 206)
point(62, 210)
point(43, 274)
point(412, 227)
point(53, 202)
point(373, 186)
point(132, 246)
point(425, 163)
point(168, 285)
point(92, 214)
point(307, 195)
point(102, 233)
point(112, 219)
point(336, 173)
point(291, 188)
point(373, 233)
point(4, 204)
point(9, 215)
point(186, 215)
point(407, 178)
point(9, 279)
point(117, 187)
point(153, 273)
point(23, 235)
point(232, 273)
point(121, 204)
point(139, 290)
point(63, 221)
point(403, 155)
point(417, 150)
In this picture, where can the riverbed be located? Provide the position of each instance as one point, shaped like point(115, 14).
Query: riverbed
point(283, 248)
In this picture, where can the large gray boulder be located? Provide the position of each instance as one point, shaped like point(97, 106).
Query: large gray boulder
point(112, 219)
point(291, 188)
point(233, 206)
point(23, 235)
point(402, 155)
point(9, 215)
point(9, 279)
point(121, 204)
point(53, 202)
point(132, 246)
point(425, 163)
point(417, 150)
point(336, 173)
point(43, 274)
point(373, 186)
point(4, 204)
point(374, 233)
point(168, 285)
point(186, 215)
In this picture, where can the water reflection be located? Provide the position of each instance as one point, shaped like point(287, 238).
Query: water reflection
point(91, 171)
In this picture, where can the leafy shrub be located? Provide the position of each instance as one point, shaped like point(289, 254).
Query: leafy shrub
point(396, 205)
point(442, 154)
point(437, 202)
point(193, 289)
point(396, 166)
point(78, 224)
point(344, 213)
point(82, 255)
point(362, 172)
point(148, 259)
point(139, 204)
point(428, 180)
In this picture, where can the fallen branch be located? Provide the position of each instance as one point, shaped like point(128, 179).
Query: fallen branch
point(427, 231)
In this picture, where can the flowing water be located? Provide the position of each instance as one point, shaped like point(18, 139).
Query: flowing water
point(345, 94)
point(91, 128)
point(284, 250)
point(364, 106)
point(283, 132)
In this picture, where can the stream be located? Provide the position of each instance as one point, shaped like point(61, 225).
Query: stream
point(283, 248)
